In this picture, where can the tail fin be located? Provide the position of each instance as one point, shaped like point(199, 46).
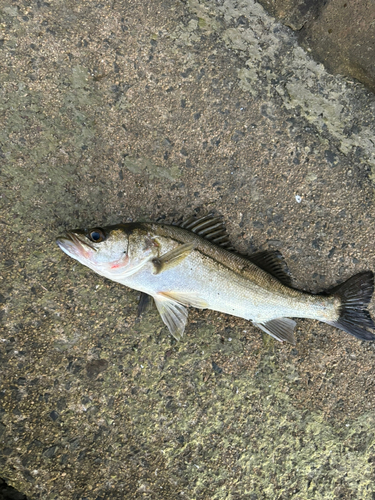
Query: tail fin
point(355, 294)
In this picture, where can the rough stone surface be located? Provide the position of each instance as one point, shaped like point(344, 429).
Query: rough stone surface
point(119, 111)
point(343, 38)
point(296, 14)
point(338, 33)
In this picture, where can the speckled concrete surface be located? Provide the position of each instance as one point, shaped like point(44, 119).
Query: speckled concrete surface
point(118, 111)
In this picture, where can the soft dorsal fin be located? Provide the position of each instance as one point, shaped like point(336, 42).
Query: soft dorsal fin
point(209, 227)
point(273, 263)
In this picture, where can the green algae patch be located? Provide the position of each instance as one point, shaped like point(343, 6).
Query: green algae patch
point(147, 166)
point(275, 450)
point(202, 23)
point(327, 102)
point(79, 77)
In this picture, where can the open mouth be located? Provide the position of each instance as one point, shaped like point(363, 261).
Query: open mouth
point(74, 246)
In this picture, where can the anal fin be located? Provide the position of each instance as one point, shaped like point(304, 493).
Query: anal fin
point(281, 329)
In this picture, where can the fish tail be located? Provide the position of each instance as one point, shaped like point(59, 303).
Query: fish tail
point(355, 295)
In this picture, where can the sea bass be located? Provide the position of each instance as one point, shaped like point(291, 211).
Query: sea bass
point(189, 265)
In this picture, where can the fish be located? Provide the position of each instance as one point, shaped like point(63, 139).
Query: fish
point(192, 264)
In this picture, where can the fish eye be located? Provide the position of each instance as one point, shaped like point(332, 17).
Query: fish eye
point(96, 235)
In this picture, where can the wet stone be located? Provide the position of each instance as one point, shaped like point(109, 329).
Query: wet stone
point(187, 72)
point(243, 21)
point(50, 452)
point(331, 157)
point(216, 368)
point(93, 368)
point(61, 404)
point(317, 243)
point(54, 415)
point(331, 252)
point(237, 136)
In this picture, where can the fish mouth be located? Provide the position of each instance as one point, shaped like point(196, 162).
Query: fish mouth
point(74, 246)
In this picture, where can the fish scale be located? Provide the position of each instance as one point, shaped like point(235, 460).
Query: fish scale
point(226, 291)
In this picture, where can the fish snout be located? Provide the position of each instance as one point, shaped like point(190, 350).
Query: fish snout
point(73, 246)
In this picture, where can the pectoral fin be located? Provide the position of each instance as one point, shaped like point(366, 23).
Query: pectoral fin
point(173, 314)
point(172, 258)
point(281, 329)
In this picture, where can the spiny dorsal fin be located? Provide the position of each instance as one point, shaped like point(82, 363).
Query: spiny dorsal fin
point(209, 227)
point(273, 263)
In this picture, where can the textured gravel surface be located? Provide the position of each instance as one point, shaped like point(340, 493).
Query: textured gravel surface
point(120, 111)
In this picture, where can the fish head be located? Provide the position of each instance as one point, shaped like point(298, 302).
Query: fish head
point(114, 251)
point(97, 248)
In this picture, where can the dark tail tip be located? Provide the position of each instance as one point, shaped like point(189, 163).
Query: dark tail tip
point(355, 295)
